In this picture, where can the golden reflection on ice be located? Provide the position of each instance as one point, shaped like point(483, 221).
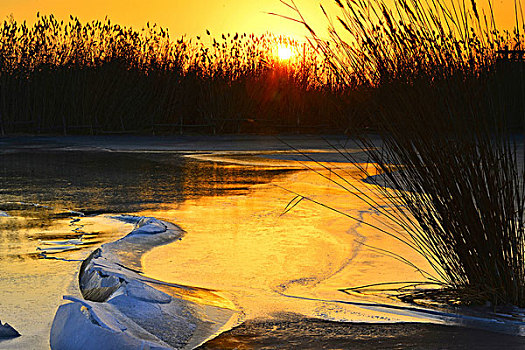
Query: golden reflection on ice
point(32, 287)
point(197, 295)
point(269, 262)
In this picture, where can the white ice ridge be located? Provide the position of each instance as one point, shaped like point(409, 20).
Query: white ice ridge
point(122, 309)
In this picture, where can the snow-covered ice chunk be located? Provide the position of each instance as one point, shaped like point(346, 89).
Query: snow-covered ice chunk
point(124, 309)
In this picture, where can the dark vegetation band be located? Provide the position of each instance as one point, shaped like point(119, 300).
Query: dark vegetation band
point(73, 77)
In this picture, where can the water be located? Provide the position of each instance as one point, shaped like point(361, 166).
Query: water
point(281, 271)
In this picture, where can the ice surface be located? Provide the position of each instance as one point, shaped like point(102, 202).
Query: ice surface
point(124, 309)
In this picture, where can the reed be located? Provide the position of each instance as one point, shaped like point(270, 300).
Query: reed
point(447, 99)
point(94, 77)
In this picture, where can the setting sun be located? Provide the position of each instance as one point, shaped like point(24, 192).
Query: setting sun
point(284, 53)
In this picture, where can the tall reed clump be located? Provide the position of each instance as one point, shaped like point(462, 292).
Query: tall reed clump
point(448, 93)
point(73, 77)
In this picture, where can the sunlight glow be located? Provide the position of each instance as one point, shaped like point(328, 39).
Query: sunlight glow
point(284, 53)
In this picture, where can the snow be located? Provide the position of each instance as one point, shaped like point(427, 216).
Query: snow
point(123, 309)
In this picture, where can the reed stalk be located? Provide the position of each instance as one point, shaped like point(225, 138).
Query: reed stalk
point(95, 77)
point(448, 101)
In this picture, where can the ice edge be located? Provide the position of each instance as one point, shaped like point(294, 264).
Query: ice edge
point(124, 309)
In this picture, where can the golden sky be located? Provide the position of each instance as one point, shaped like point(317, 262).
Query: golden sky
point(181, 17)
point(195, 16)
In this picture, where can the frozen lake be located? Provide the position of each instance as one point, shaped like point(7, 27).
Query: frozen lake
point(228, 194)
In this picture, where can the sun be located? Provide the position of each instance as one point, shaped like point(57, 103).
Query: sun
point(284, 53)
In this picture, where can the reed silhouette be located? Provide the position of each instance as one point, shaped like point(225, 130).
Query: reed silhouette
point(445, 91)
point(95, 77)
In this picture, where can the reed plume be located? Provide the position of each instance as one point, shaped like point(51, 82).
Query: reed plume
point(95, 77)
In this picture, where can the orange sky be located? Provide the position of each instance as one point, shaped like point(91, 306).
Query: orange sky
point(195, 16)
point(190, 17)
